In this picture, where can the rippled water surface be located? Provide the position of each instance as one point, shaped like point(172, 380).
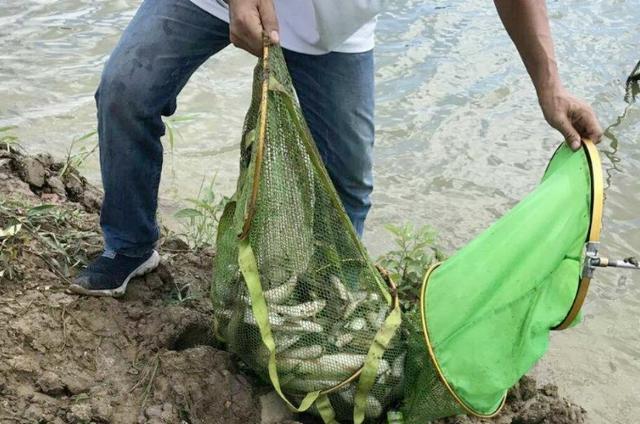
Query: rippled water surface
point(460, 138)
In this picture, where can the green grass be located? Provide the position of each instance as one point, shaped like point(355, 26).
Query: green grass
point(78, 151)
point(8, 141)
point(199, 221)
point(172, 126)
point(52, 233)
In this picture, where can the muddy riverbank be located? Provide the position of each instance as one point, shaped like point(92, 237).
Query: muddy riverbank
point(147, 358)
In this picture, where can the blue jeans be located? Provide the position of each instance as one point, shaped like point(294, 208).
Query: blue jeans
point(166, 41)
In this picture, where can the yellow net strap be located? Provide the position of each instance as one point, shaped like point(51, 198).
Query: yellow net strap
point(323, 404)
point(249, 269)
point(372, 362)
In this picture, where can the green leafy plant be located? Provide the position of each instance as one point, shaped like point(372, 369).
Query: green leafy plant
point(182, 293)
point(79, 150)
point(200, 221)
point(415, 252)
point(8, 141)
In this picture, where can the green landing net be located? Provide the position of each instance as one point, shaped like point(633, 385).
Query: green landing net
point(486, 313)
point(295, 294)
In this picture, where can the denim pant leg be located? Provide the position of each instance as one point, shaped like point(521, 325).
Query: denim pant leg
point(336, 92)
point(164, 44)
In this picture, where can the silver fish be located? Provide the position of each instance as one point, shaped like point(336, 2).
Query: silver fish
point(379, 320)
point(397, 369)
point(382, 379)
point(358, 324)
point(303, 310)
point(355, 300)
point(304, 385)
point(343, 340)
point(306, 352)
point(341, 365)
point(225, 313)
point(373, 408)
point(274, 319)
point(281, 293)
point(383, 368)
point(301, 326)
point(278, 294)
point(343, 294)
point(285, 341)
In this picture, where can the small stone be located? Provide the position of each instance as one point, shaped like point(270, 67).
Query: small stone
point(175, 243)
point(45, 159)
point(74, 186)
point(164, 413)
point(5, 164)
point(50, 384)
point(23, 363)
point(51, 198)
point(57, 186)
point(154, 281)
point(79, 413)
point(33, 413)
point(101, 410)
point(550, 390)
point(32, 172)
point(527, 387)
point(92, 199)
point(76, 384)
point(164, 274)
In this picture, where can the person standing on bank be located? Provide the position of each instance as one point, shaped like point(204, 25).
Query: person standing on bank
point(328, 47)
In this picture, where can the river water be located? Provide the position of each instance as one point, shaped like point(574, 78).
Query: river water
point(460, 138)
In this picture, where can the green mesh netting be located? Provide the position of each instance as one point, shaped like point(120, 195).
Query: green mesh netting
point(294, 292)
point(489, 309)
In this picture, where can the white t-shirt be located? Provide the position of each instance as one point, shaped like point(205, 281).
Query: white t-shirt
point(318, 26)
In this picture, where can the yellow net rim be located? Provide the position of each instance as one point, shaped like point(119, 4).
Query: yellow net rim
point(597, 204)
point(595, 227)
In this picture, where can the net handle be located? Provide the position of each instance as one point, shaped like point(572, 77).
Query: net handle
point(262, 131)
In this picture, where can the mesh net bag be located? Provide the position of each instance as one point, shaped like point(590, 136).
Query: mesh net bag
point(486, 313)
point(295, 294)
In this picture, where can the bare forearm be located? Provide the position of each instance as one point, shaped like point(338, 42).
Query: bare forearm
point(527, 23)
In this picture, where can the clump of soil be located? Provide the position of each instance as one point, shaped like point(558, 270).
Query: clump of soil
point(147, 358)
point(529, 404)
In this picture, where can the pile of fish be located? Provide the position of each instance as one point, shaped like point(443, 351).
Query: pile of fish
point(322, 334)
